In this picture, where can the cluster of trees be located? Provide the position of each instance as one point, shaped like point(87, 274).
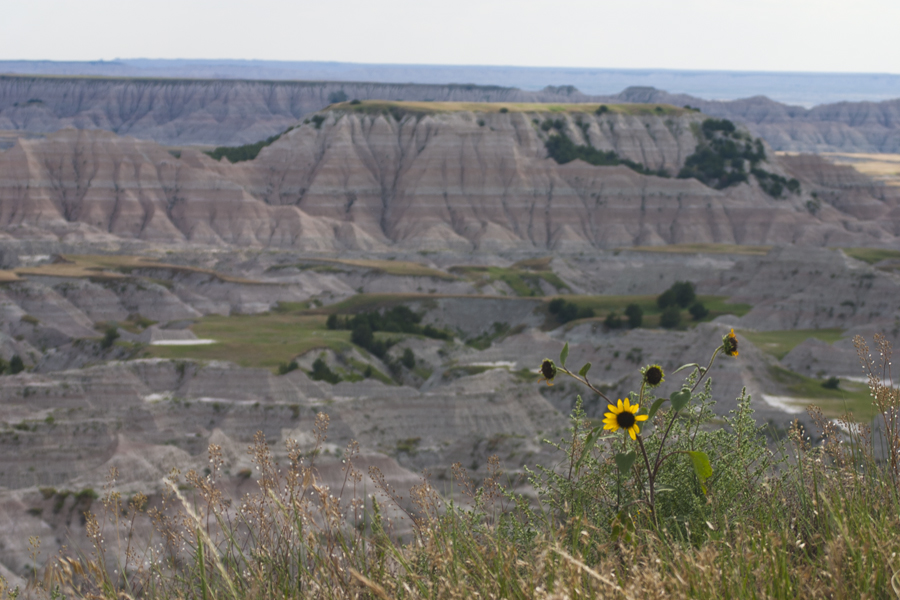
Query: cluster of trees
point(634, 317)
point(721, 160)
point(679, 296)
point(246, 152)
point(14, 366)
point(566, 311)
point(563, 150)
point(400, 319)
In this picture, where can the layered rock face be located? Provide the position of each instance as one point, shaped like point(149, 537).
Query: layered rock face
point(453, 180)
point(233, 112)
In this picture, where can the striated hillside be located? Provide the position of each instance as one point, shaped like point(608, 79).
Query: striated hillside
point(426, 176)
point(231, 112)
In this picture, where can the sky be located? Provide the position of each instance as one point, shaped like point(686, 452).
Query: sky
point(850, 36)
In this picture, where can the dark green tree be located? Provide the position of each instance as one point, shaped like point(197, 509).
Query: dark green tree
point(698, 311)
point(635, 315)
point(670, 317)
point(408, 359)
point(16, 365)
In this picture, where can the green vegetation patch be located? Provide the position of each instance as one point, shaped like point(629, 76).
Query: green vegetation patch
point(722, 157)
point(523, 281)
point(423, 108)
point(236, 154)
point(603, 306)
point(703, 249)
point(779, 343)
point(265, 340)
point(872, 255)
point(849, 396)
point(563, 150)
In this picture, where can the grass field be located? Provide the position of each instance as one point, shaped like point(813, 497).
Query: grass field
point(872, 255)
point(376, 106)
point(8, 276)
point(851, 396)
point(265, 340)
point(703, 249)
point(779, 343)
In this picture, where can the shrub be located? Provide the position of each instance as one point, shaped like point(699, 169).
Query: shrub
point(321, 372)
point(504, 110)
point(613, 321)
point(568, 311)
point(337, 97)
point(16, 365)
point(681, 293)
point(602, 109)
point(635, 315)
point(355, 101)
point(670, 318)
point(563, 150)
point(408, 359)
point(832, 383)
point(285, 368)
point(109, 337)
point(698, 311)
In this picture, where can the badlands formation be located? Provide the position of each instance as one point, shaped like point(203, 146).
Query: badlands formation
point(232, 112)
point(455, 212)
point(427, 177)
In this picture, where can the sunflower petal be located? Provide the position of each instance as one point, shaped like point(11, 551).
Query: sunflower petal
point(611, 426)
point(641, 417)
point(621, 407)
point(611, 407)
point(631, 432)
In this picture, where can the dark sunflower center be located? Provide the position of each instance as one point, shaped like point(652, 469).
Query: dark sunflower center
point(625, 419)
point(654, 375)
point(547, 369)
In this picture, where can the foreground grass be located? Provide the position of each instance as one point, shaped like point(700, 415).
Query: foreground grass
point(779, 343)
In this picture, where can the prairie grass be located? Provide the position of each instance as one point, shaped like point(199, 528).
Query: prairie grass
point(779, 343)
point(265, 340)
point(99, 266)
point(805, 521)
point(872, 255)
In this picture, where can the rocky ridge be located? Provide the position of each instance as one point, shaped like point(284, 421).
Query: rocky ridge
point(424, 180)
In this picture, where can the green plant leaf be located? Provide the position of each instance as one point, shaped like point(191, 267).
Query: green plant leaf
point(564, 355)
point(702, 467)
point(584, 370)
point(625, 460)
point(655, 407)
point(680, 399)
point(682, 367)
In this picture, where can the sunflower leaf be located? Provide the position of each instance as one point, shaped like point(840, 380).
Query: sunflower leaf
point(625, 460)
point(682, 367)
point(702, 467)
point(564, 355)
point(584, 370)
point(680, 399)
point(655, 407)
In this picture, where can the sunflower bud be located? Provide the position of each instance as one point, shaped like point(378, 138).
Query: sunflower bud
point(548, 371)
point(730, 344)
point(653, 375)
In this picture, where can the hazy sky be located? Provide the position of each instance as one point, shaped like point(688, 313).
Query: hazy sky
point(757, 35)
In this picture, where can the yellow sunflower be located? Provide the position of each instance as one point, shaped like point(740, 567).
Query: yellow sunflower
point(730, 344)
point(624, 416)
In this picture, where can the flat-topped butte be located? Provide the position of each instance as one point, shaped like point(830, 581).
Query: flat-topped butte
point(379, 106)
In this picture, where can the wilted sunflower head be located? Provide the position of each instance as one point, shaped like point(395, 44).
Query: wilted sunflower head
point(548, 371)
point(653, 375)
point(730, 344)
